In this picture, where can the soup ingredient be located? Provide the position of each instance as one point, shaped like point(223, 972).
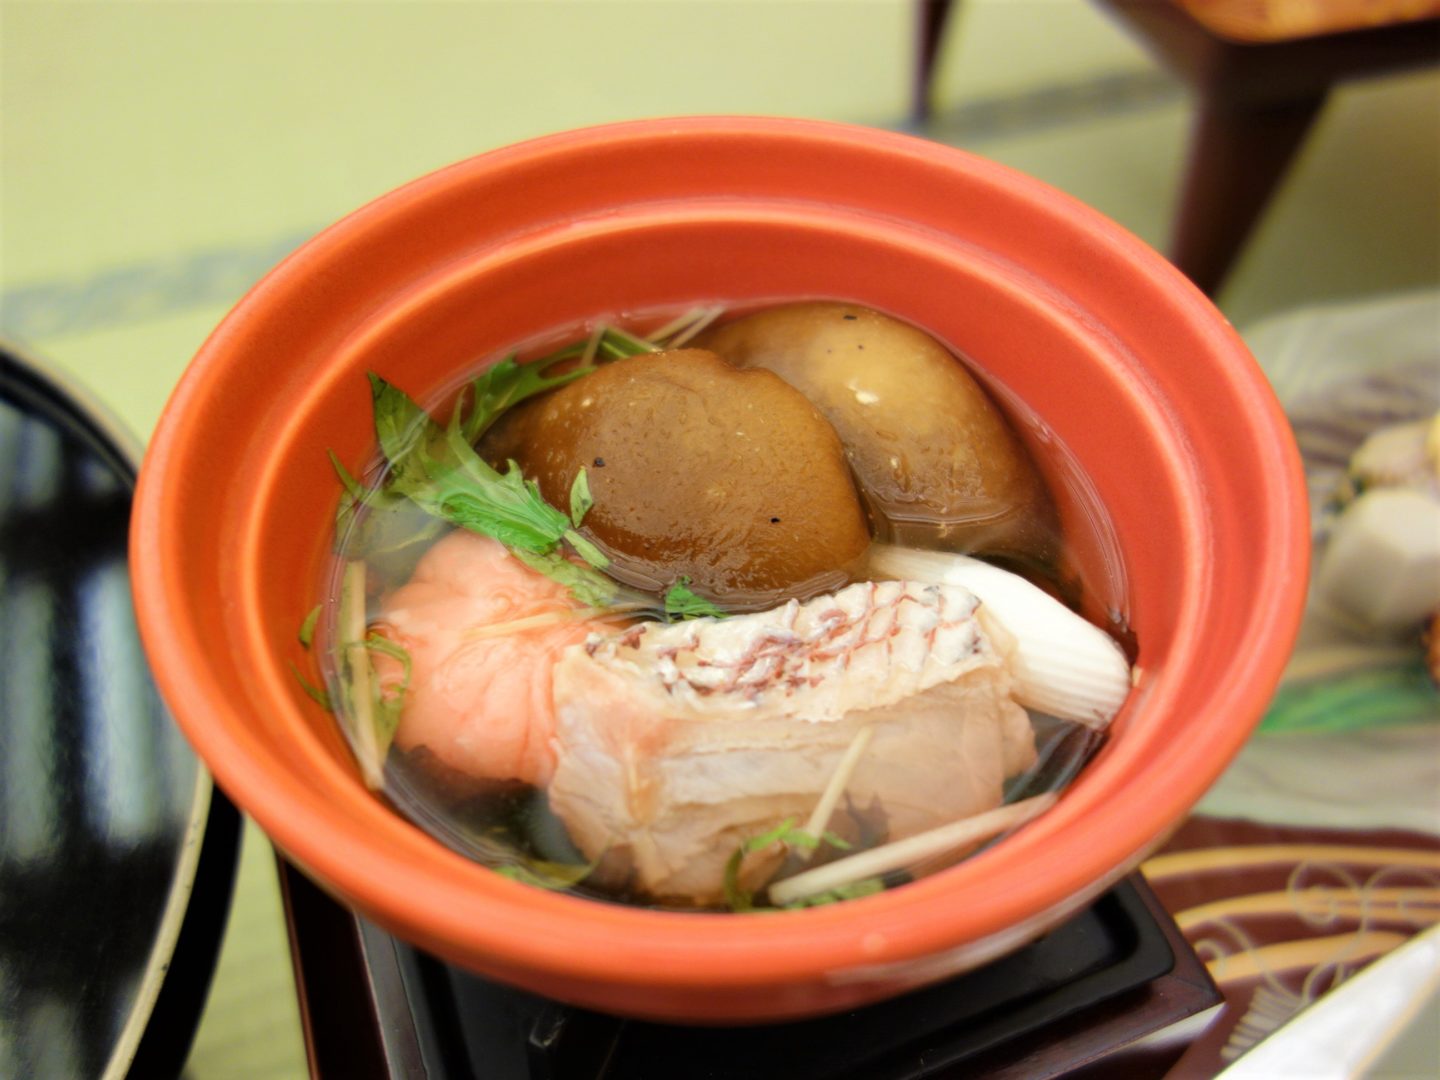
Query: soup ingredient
point(1062, 665)
point(437, 470)
point(796, 841)
point(829, 799)
point(676, 744)
point(936, 461)
point(729, 478)
point(650, 484)
point(949, 840)
point(371, 706)
point(483, 633)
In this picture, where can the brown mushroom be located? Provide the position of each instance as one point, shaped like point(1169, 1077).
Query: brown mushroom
point(937, 463)
point(698, 470)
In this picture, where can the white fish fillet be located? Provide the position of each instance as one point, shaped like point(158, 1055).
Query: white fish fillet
point(675, 743)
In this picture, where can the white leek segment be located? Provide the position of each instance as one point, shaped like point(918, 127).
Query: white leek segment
point(1061, 664)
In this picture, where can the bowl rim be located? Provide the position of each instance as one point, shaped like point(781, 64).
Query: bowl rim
point(434, 905)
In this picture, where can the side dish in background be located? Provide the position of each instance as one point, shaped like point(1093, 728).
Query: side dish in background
point(634, 618)
point(1381, 566)
point(1361, 385)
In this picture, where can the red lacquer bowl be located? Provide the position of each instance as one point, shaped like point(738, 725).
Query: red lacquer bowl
point(1126, 362)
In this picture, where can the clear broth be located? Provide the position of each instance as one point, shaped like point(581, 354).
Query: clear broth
point(504, 824)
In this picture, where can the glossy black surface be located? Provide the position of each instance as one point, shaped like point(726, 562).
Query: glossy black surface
point(103, 807)
point(1111, 975)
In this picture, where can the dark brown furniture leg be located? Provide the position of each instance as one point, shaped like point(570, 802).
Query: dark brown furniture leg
point(1256, 102)
point(1238, 155)
point(930, 19)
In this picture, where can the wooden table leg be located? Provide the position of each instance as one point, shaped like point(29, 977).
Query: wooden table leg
point(1238, 155)
point(930, 19)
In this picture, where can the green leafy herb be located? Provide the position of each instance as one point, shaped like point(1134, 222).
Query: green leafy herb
point(399, 421)
point(586, 550)
point(800, 838)
point(619, 343)
point(307, 628)
point(856, 889)
point(580, 498)
point(508, 383)
point(586, 584)
point(383, 645)
point(356, 492)
point(741, 899)
point(382, 533)
point(352, 486)
point(506, 507)
point(437, 470)
point(404, 431)
point(389, 702)
point(546, 875)
point(682, 603)
point(315, 693)
point(440, 472)
point(354, 498)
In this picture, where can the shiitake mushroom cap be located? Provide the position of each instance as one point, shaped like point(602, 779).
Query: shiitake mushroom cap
point(935, 460)
point(698, 470)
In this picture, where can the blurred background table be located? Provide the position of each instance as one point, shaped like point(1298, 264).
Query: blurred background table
point(1261, 72)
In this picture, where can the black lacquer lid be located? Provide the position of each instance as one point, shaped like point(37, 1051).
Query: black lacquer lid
point(117, 855)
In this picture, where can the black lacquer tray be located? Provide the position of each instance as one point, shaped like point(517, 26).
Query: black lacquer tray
point(117, 856)
point(1114, 991)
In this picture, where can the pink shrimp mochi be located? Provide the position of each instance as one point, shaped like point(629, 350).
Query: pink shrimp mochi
point(481, 703)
